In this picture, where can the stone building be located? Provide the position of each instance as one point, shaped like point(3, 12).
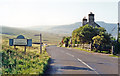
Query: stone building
point(91, 20)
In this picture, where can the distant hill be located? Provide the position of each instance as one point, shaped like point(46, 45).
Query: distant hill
point(50, 38)
point(53, 34)
point(67, 29)
point(57, 29)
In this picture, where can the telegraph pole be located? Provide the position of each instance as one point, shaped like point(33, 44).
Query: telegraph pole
point(118, 33)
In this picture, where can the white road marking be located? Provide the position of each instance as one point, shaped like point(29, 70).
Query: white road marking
point(70, 54)
point(84, 63)
point(87, 65)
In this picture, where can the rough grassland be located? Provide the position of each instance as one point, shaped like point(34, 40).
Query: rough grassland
point(14, 61)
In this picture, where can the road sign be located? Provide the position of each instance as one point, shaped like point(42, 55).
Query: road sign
point(20, 41)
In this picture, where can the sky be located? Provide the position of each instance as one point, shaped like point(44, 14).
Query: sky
point(119, 12)
point(24, 13)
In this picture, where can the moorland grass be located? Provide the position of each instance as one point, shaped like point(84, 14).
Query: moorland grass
point(17, 62)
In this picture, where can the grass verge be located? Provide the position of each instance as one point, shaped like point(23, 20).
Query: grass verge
point(83, 49)
point(114, 56)
point(16, 62)
point(95, 52)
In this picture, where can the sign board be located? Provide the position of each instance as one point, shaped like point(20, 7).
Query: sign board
point(20, 41)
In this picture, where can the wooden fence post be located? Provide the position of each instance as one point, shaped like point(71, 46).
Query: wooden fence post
point(25, 50)
point(40, 44)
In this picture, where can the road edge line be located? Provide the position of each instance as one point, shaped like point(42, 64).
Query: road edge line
point(87, 65)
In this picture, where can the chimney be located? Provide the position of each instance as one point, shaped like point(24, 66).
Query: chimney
point(91, 17)
point(84, 22)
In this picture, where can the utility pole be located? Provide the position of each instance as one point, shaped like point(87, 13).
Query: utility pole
point(118, 33)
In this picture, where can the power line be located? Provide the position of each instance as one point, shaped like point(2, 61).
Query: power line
point(113, 29)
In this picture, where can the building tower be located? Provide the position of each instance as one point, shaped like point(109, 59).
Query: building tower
point(91, 18)
point(84, 22)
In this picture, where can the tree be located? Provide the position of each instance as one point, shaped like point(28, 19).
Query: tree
point(101, 40)
point(97, 41)
point(83, 34)
point(76, 36)
point(87, 34)
point(100, 29)
point(66, 40)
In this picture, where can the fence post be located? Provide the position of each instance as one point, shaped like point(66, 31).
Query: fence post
point(90, 47)
point(112, 52)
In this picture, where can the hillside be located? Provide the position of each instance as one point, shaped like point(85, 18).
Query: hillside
point(50, 38)
point(58, 29)
point(67, 29)
point(52, 34)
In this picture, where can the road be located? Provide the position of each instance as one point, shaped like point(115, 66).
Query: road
point(73, 61)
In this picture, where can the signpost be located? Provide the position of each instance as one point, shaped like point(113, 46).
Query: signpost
point(40, 42)
point(20, 41)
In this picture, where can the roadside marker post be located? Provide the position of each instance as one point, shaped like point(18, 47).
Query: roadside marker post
point(40, 42)
point(112, 52)
point(20, 41)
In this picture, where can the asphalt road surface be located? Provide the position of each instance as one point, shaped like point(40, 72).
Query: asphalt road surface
point(73, 61)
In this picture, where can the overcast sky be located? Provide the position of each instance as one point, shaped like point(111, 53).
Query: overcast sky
point(20, 13)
